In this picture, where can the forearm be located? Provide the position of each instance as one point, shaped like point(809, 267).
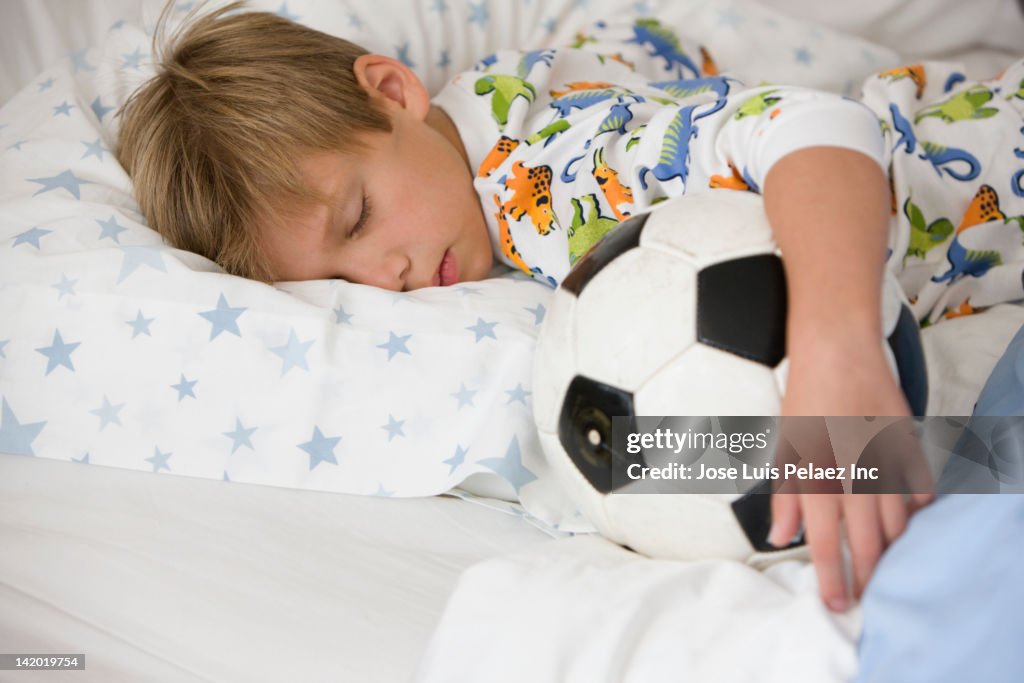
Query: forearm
point(829, 211)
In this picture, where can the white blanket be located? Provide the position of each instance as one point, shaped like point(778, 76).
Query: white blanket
point(584, 609)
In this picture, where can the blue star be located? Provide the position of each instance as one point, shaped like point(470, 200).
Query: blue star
point(45, 85)
point(93, 149)
point(58, 353)
point(803, 56)
point(78, 61)
point(84, 460)
point(403, 55)
point(538, 313)
point(341, 317)
point(439, 6)
point(184, 388)
point(108, 413)
point(517, 394)
point(395, 345)
point(483, 329)
point(511, 466)
point(17, 145)
point(140, 325)
point(159, 460)
point(478, 14)
point(320, 448)
point(3, 343)
point(131, 60)
point(282, 12)
point(99, 110)
point(293, 353)
point(641, 8)
point(116, 25)
point(381, 491)
point(470, 291)
point(464, 396)
point(729, 17)
point(240, 437)
point(65, 286)
point(16, 438)
point(30, 236)
point(445, 60)
point(62, 108)
point(550, 24)
point(140, 256)
point(224, 318)
point(65, 179)
point(457, 459)
point(393, 427)
point(111, 229)
point(355, 21)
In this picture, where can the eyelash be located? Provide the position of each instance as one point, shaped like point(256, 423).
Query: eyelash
point(364, 216)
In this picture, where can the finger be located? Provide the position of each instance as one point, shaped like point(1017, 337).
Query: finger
point(894, 513)
point(785, 519)
point(865, 535)
point(821, 521)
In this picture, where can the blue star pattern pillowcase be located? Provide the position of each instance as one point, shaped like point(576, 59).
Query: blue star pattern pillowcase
point(117, 350)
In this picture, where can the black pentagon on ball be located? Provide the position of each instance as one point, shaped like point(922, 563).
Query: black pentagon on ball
point(621, 238)
point(741, 308)
point(585, 431)
point(753, 511)
point(905, 342)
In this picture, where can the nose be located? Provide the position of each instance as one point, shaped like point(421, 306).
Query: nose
point(387, 271)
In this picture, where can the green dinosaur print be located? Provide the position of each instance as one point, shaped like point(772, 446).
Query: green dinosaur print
point(924, 236)
point(757, 105)
point(634, 137)
point(1020, 92)
point(548, 130)
point(584, 233)
point(963, 106)
point(506, 89)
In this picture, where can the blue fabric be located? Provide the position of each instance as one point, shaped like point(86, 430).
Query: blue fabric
point(947, 600)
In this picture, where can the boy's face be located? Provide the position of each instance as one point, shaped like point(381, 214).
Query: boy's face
point(401, 212)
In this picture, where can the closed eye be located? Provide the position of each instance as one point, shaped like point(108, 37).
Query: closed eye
point(364, 216)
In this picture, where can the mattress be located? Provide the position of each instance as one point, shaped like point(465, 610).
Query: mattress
point(169, 578)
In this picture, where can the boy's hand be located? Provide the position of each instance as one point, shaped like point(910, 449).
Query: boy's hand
point(846, 378)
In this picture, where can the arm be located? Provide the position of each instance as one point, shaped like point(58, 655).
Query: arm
point(828, 208)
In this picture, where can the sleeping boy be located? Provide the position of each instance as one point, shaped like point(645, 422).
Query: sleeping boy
point(283, 153)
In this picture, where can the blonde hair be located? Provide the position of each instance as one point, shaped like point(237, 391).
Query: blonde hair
point(213, 139)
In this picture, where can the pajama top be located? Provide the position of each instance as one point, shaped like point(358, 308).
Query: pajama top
point(568, 142)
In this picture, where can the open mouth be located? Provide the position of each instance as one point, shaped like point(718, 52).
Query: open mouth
point(448, 271)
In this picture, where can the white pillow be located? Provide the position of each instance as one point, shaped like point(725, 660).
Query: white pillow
point(117, 350)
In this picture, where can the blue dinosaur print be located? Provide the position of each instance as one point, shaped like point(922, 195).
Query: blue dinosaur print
point(954, 79)
point(618, 116)
point(531, 59)
point(964, 261)
point(940, 156)
point(685, 87)
point(1017, 181)
point(485, 63)
point(675, 149)
point(581, 99)
point(664, 44)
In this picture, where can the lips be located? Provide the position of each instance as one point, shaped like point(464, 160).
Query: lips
point(448, 271)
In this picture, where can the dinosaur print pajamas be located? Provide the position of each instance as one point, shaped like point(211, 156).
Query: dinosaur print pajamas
point(568, 142)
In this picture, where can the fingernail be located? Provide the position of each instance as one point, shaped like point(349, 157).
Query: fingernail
point(837, 604)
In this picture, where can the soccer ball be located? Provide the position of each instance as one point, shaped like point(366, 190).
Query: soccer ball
point(678, 312)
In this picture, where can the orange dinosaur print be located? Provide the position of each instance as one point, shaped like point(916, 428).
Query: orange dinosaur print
point(617, 57)
point(508, 246)
point(608, 180)
point(531, 196)
point(733, 182)
point(576, 86)
point(960, 311)
point(496, 157)
point(982, 209)
point(914, 72)
point(707, 64)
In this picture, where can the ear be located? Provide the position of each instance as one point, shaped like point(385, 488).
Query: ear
point(384, 77)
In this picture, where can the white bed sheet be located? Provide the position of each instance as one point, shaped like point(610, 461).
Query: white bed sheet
point(169, 578)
